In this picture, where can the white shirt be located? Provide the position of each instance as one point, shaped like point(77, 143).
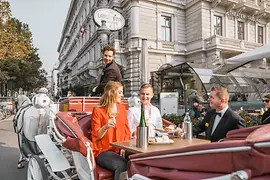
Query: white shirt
point(218, 118)
point(154, 121)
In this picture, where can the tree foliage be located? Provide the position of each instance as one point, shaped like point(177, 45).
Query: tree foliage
point(19, 60)
point(15, 36)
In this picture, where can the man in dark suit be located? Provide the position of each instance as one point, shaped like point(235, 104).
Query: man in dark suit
point(221, 119)
point(111, 71)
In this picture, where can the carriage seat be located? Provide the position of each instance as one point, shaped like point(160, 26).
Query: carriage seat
point(81, 127)
point(82, 104)
point(240, 134)
point(204, 161)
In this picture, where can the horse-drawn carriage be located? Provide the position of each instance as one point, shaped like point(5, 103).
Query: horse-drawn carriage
point(64, 150)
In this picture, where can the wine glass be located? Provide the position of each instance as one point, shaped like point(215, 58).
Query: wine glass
point(114, 111)
point(146, 116)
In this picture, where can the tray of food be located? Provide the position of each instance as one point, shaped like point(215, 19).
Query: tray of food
point(168, 129)
point(160, 140)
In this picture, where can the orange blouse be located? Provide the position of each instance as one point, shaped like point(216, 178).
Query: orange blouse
point(120, 133)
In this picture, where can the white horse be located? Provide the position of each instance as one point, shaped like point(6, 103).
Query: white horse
point(31, 119)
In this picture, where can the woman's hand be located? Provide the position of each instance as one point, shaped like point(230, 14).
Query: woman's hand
point(111, 122)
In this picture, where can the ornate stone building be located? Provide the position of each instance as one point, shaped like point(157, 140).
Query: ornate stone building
point(159, 32)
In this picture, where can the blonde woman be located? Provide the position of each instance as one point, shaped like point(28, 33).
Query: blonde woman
point(110, 124)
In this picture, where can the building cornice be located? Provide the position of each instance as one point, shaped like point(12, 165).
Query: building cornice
point(162, 2)
point(65, 25)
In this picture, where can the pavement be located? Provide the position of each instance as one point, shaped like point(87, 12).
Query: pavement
point(9, 153)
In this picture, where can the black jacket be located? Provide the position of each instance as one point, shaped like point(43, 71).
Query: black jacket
point(111, 72)
point(266, 117)
point(229, 121)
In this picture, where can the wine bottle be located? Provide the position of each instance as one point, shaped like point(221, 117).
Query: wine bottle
point(142, 131)
point(187, 126)
point(142, 119)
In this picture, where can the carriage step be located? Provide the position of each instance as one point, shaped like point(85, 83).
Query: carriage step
point(55, 157)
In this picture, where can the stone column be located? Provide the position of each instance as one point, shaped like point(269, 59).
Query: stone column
point(266, 34)
point(144, 63)
point(247, 31)
point(226, 25)
point(235, 28)
point(133, 72)
point(134, 19)
point(256, 32)
point(212, 29)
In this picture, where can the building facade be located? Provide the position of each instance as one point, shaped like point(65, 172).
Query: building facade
point(158, 33)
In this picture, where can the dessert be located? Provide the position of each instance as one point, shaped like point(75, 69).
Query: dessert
point(163, 139)
point(169, 128)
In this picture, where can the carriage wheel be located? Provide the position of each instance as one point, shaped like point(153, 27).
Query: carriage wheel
point(36, 169)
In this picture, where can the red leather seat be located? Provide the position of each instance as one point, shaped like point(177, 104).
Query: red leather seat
point(209, 160)
point(85, 124)
point(103, 174)
point(82, 128)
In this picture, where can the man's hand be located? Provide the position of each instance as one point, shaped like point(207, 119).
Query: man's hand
point(122, 153)
point(134, 134)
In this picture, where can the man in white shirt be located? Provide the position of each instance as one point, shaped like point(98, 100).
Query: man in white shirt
point(152, 113)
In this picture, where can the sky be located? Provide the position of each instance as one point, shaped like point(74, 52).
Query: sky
point(46, 19)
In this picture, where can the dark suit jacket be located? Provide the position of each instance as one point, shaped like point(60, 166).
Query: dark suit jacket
point(111, 72)
point(266, 117)
point(229, 121)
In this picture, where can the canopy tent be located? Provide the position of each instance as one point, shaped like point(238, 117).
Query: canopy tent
point(242, 59)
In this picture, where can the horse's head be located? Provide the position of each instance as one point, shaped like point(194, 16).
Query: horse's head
point(23, 100)
point(41, 100)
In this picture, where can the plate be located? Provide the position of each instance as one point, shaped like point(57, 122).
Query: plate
point(160, 130)
point(168, 142)
point(164, 131)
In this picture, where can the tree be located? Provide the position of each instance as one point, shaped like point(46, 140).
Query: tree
point(19, 60)
point(27, 73)
point(15, 36)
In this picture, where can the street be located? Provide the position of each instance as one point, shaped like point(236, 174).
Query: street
point(9, 153)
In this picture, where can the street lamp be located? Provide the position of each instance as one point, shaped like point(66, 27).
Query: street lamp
point(104, 33)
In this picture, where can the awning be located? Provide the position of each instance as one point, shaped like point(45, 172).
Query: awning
point(242, 59)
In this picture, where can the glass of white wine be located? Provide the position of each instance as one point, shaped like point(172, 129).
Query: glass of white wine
point(146, 116)
point(114, 112)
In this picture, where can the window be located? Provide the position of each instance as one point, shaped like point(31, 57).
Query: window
point(241, 34)
point(166, 28)
point(218, 25)
point(260, 34)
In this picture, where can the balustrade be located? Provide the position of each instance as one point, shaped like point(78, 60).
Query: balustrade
point(234, 43)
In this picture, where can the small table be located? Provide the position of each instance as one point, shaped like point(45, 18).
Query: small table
point(178, 143)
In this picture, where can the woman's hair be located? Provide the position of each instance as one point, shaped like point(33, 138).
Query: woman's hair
point(109, 95)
